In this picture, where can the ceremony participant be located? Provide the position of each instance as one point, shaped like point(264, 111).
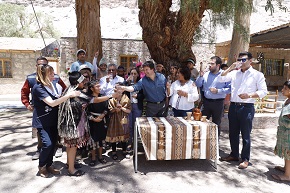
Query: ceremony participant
point(247, 84)
point(282, 148)
point(118, 129)
point(160, 68)
point(136, 103)
point(25, 92)
point(72, 120)
point(140, 68)
point(81, 60)
point(173, 73)
point(121, 71)
point(193, 70)
point(108, 82)
point(183, 93)
point(154, 90)
point(98, 119)
point(101, 69)
point(214, 92)
point(46, 98)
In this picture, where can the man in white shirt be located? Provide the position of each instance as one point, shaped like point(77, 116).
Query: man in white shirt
point(108, 82)
point(246, 85)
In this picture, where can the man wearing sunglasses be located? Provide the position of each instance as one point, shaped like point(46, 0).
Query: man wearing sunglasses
point(247, 84)
point(25, 92)
point(109, 81)
point(214, 92)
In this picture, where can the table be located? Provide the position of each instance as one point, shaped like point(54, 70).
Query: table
point(174, 138)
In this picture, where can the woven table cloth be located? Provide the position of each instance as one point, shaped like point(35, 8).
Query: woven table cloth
point(174, 138)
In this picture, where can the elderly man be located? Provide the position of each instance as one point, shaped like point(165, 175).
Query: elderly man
point(108, 82)
point(247, 84)
point(154, 90)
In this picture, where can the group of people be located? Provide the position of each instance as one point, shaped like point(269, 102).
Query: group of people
point(103, 102)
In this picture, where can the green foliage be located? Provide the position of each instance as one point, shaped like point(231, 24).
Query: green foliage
point(270, 6)
point(15, 22)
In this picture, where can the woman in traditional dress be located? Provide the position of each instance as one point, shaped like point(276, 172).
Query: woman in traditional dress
point(183, 93)
point(98, 118)
point(46, 96)
point(282, 148)
point(118, 130)
point(72, 121)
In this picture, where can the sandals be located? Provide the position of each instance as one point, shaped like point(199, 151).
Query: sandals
point(77, 173)
point(103, 160)
point(279, 168)
point(114, 156)
point(126, 155)
point(280, 178)
point(92, 163)
point(77, 165)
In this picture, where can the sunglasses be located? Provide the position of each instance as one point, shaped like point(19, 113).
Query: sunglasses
point(111, 70)
point(242, 59)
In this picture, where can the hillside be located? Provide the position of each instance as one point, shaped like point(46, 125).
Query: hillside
point(119, 18)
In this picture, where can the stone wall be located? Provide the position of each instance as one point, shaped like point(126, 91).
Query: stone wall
point(113, 48)
point(23, 63)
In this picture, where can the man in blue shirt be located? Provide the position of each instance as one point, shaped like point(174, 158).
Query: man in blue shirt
point(81, 55)
point(154, 90)
point(214, 91)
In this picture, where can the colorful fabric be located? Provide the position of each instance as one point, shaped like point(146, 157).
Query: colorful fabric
point(72, 121)
point(282, 148)
point(117, 131)
point(173, 138)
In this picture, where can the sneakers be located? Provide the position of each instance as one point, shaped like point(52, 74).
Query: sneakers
point(36, 156)
point(58, 152)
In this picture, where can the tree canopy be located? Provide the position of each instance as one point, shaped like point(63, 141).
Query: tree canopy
point(16, 22)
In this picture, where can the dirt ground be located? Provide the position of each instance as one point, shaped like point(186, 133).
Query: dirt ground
point(20, 174)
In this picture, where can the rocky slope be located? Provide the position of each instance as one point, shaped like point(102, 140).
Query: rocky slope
point(119, 18)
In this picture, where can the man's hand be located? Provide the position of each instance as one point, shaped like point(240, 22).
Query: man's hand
point(201, 73)
point(213, 90)
point(96, 54)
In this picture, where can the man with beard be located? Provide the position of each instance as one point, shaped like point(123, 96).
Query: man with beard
point(214, 91)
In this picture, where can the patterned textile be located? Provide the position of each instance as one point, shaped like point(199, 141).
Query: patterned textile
point(282, 148)
point(72, 121)
point(117, 131)
point(173, 138)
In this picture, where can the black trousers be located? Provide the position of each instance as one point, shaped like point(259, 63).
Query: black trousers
point(213, 109)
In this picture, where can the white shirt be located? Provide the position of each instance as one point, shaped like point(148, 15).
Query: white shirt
point(107, 88)
point(251, 81)
point(180, 102)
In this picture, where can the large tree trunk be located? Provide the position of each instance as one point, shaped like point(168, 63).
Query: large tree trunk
point(169, 35)
point(241, 33)
point(88, 27)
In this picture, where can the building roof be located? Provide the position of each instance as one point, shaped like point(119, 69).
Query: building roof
point(14, 43)
point(277, 37)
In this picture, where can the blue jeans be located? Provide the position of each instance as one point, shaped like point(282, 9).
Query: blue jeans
point(240, 121)
point(180, 113)
point(135, 112)
point(48, 138)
